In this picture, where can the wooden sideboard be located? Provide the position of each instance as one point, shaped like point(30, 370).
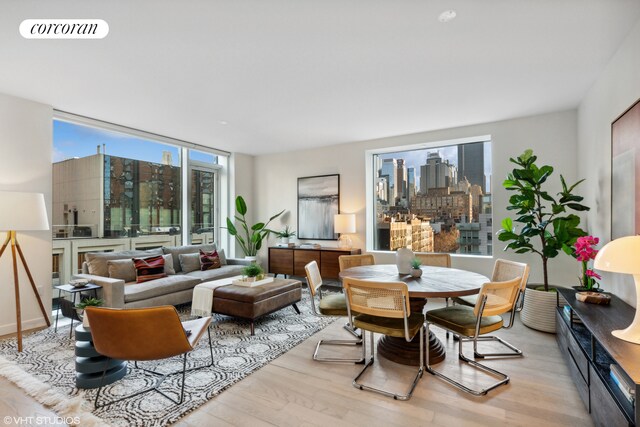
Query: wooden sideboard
point(291, 261)
point(589, 349)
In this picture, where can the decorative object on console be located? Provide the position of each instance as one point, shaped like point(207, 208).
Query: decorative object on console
point(318, 202)
point(416, 271)
point(593, 298)
point(254, 235)
point(625, 167)
point(404, 256)
point(22, 212)
point(623, 256)
point(584, 252)
point(546, 220)
point(285, 236)
point(345, 224)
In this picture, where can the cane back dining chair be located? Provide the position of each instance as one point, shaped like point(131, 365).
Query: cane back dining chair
point(434, 259)
point(469, 323)
point(328, 305)
point(383, 307)
point(348, 261)
point(503, 270)
point(143, 334)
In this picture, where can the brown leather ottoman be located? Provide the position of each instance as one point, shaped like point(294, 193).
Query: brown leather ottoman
point(252, 302)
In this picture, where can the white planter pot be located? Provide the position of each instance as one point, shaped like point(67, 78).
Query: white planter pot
point(85, 321)
point(539, 309)
point(253, 259)
point(283, 240)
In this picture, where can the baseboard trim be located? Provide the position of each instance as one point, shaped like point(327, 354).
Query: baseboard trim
point(27, 325)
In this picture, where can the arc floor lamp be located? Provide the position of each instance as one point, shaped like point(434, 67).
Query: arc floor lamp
point(22, 212)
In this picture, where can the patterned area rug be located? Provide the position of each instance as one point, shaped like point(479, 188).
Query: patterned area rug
point(49, 357)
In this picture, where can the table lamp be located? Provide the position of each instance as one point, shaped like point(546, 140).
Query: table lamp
point(345, 224)
point(22, 212)
point(623, 256)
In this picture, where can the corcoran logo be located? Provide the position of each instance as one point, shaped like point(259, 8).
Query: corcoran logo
point(64, 29)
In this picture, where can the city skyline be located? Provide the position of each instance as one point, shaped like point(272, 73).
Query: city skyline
point(417, 158)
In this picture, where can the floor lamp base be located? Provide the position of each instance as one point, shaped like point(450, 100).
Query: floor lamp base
point(15, 249)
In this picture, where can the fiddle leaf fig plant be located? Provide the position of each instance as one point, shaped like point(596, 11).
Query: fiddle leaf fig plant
point(250, 240)
point(546, 225)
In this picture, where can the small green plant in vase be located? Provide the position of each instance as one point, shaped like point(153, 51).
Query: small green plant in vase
point(416, 271)
point(87, 302)
point(285, 235)
point(253, 272)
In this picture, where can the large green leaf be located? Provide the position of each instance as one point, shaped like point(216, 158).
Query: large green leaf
point(258, 226)
point(241, 206)
point(231, 228)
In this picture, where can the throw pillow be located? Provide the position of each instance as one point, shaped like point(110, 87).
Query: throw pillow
point(149, 268)
point(122, 269)
point(189, 262)
point(223, 258)
point(168, 265)
point(209, 260)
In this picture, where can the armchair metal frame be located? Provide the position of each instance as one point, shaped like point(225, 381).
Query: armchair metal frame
point(183, 343)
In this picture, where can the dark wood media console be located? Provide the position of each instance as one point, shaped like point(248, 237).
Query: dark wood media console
point(291, 261)
point(589, 349)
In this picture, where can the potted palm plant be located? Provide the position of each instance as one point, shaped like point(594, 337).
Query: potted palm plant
point(546, 228)
point(249, 238)
point(285, 235)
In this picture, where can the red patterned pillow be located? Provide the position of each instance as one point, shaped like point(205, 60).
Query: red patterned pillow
point(209, 260)
point(149, 268)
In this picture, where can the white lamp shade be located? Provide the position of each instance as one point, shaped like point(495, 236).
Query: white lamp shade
point(345, 223)
point(620, 256)
point(22, 211)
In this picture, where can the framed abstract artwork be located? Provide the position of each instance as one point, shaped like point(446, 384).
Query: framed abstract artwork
point(625, 173)
point(318, 202)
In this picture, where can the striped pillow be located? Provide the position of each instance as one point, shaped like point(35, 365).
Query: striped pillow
point(149, 268)
point(209, 260)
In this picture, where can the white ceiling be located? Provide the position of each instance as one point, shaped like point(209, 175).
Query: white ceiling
point(288, 75)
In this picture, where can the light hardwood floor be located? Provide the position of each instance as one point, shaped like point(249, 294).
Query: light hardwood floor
point(293, 390)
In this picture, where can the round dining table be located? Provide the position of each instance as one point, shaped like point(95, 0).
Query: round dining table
point(435, 282)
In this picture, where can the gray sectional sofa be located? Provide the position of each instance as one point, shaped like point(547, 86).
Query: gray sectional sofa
point(114, 273)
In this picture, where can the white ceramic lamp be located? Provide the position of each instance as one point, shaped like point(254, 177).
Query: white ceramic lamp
point(345, 224)
point(22, 212)
point(623, 256)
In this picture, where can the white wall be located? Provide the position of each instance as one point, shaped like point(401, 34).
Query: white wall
point(615, 90)
point(240, 184)
point(25, 141)
point(552, 136)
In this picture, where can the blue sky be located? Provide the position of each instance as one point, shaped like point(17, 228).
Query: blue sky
point(416, 158)
point(71, 140)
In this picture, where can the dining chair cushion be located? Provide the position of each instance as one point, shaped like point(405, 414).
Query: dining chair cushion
point(469, 300)
point(389, 326)
point(460, 319)
point(333, 305)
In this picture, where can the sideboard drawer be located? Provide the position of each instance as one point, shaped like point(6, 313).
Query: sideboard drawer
point(604, 410)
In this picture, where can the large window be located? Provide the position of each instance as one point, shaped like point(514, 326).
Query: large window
point(116, 188)
point(434, 198)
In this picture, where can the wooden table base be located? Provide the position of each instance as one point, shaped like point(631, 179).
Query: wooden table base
point(408, 353)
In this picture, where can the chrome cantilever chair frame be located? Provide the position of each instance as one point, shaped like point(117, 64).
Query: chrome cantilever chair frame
point(369, 363)
point(478, 312)
point(504, 378)
point(321, 342)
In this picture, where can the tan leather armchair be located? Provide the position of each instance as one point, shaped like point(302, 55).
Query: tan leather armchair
point(143, 334)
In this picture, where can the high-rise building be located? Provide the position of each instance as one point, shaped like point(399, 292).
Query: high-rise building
point(389, 170)
point(411, 183)
point(471, 163)
point(437, 173)
point(402, 179)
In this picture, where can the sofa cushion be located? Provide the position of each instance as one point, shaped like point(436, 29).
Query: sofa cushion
point(209, 260)
point(175, 251)
point(218, 273)
point(149, 268)
point(124, 269)
point(164, 286)
point(189, 262)
point(97, 261)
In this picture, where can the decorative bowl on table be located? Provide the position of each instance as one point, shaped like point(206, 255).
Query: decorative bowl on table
point(78, 283)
